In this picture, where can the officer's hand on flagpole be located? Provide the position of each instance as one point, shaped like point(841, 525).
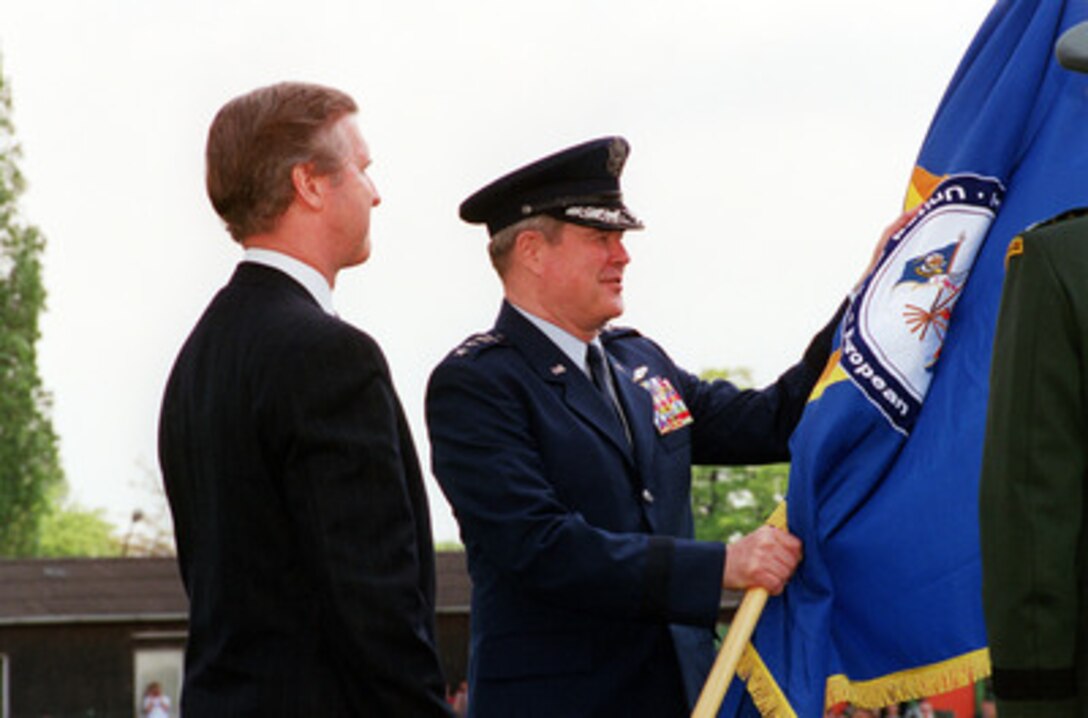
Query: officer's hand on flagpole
point(765, 558)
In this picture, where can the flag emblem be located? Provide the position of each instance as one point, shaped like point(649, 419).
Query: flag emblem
point(894, 331)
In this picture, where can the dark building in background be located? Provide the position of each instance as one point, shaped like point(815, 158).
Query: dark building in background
point(77, 635)
point(83, 638)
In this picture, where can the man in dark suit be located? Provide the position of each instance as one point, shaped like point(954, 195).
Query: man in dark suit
point(302, 525)
point(566, 449)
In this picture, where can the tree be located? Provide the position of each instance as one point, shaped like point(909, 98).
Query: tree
point(151, 529)
point(730, 501)
point(68, 529)
point(29, 463)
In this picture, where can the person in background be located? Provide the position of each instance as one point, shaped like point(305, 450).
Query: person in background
point(155, 704)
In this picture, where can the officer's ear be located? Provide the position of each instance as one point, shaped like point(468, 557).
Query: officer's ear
point(529, 250)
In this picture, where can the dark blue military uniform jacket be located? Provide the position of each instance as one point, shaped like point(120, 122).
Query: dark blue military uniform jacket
point(590, 596)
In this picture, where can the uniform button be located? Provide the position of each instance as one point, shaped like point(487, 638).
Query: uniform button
point(647, 496)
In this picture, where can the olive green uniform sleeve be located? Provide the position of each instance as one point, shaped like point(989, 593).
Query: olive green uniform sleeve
point(1032, 485)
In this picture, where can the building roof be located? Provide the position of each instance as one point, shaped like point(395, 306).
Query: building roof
point(84, 590)
point(35, 591)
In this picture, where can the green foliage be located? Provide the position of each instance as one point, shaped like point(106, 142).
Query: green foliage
point(729, 502)
point(29, 464)
point(732, 501)
point(71, 530)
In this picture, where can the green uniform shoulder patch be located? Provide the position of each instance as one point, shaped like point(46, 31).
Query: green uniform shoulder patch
point(1017, 245)
point(1016, 248)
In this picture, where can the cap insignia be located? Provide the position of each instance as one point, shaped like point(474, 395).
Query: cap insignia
point(617, 156)
point(597, 214)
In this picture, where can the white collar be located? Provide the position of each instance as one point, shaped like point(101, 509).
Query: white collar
point(311, 279)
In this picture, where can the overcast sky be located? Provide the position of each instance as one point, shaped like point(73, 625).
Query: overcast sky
point(771, 143)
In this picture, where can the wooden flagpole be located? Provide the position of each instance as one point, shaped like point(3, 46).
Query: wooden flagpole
point(725, 665)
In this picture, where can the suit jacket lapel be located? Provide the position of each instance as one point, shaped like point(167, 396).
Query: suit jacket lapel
point(556, 368)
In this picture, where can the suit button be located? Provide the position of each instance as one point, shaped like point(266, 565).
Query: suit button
point(647, 496)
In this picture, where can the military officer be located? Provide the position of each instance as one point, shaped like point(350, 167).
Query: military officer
point(1033, 492)
point(565, 449)
point(1033, 498)
point(1035, 462)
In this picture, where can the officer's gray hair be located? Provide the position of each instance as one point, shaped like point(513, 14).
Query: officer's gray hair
point(502, 242)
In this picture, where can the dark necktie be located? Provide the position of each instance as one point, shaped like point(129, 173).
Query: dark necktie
point(597, 370)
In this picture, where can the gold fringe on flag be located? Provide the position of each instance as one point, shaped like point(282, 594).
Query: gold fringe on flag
point(911, 684)
point(906, 685)
point(762, 687)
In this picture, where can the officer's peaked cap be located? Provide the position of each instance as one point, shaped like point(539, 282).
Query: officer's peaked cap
point(580, 185)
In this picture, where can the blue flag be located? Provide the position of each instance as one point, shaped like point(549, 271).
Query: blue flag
point(886, 605)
